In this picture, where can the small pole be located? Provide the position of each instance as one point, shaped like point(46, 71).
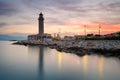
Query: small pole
point(99, 28)
point(85, 29)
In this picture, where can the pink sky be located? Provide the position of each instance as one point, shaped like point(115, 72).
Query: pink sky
point(65, 16)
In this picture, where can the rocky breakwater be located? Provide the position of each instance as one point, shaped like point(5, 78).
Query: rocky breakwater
point(108, 48)
point(82, 47)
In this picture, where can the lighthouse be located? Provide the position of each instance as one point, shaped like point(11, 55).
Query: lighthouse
point(41, 35)
point(41, 24)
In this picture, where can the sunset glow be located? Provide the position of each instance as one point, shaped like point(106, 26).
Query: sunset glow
point(64, 16)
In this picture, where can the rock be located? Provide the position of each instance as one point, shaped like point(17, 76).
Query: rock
point(98, 47)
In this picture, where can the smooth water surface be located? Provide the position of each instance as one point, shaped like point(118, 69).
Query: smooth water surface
point(19, 62)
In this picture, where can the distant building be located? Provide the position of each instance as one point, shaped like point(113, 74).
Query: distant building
point(56, 36)
point(116, 34)
point(79, 37)
point(33, 37)
point(69, 38)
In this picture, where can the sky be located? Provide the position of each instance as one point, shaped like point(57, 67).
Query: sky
point(20, 17)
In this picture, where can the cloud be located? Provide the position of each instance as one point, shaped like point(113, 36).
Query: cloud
point(46, 3)
point(19, 23)
point(7, 8)
point(55, 21)
point(5, 24)
point(2, 25)
point(59, 13)
point(107, 13)
point(111, 6)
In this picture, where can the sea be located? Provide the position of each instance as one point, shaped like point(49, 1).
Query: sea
point(18, 62)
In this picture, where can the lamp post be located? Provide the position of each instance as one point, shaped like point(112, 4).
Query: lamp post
point(85, 29)
point(99, 29)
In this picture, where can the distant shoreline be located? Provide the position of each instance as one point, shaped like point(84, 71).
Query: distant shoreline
point(108, 48)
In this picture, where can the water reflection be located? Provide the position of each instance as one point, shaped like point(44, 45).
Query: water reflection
point(33, 50)
point(55, 65)
point(100, 65)
point(59, 60)
point(85, 62)
point(41, 62)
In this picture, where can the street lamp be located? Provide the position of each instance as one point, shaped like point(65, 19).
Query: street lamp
point(85, 29)
point(99, 28)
